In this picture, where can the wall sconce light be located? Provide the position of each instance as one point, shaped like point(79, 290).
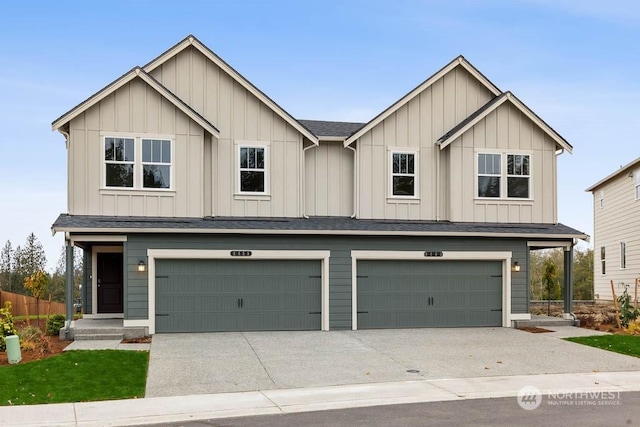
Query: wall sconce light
point(142, 267)
point(516, 266)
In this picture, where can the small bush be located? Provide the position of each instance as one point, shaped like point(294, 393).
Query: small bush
point(30, 333)
point(634, 327)
point(628, 313)
point(6, 325)
point(54, 324)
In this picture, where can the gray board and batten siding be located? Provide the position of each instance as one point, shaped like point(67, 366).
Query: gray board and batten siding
point(340, 262)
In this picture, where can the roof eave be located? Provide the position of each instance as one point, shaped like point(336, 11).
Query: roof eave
point(191, 40)
point(615, 174)
point(459, 61)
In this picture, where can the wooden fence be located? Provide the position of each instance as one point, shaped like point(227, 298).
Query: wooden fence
point(22, 305)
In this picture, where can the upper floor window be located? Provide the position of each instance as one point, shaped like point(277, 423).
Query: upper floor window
point(156, 163)
point(137, 163)
point(489, 175)
point(601, 194)
point(492, 174)
point(603, 262)
point(636, 176)
point(623, 255)
point(518, 176)
point(119, 161)
point(252, 169)
point(403, 174)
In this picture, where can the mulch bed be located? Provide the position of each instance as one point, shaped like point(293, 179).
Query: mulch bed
point(55, 345)
point(534, 329)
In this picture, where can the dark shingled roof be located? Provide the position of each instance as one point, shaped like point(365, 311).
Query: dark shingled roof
point(324, 128)
point(339, 225)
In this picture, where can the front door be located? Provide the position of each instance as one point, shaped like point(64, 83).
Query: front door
point(110, 282)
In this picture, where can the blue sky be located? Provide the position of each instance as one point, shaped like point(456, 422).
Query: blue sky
point(575, 63)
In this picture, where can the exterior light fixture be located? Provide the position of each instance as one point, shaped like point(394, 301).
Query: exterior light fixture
point(516, 266)
point(142, 267)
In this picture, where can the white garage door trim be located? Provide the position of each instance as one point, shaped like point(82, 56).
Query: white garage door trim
point(156, 254)
point(505, 257)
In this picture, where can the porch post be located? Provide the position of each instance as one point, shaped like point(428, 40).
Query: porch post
point(568, 281)
point(69, 293)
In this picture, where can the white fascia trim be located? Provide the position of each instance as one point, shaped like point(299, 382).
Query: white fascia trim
point(520, 316)
point(472, 123)
point(155, 254)
point(405, 99)
point(97, 238)
point(192, 41)
point(315, 232)
point(504, 256)
point(128, 77)
point(549, 244)
point(141, 323)
point(332, 138)
point(177, 102)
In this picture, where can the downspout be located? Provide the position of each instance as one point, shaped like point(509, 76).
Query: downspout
point(304, 180)
point(69, 293)
point(437, 182)
point(356, 183)
point(67, 142)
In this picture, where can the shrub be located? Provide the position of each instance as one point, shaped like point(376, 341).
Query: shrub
point(634, 327)
point(6, 325)
point(627, 312)
point(30, 333)
point(54, 324)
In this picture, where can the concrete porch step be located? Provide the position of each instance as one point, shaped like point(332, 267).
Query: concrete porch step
point(82, 336)
point(541, 323)
point(98, 331)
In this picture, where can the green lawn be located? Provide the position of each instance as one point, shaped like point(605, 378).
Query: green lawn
point(625, 344)
point(75, 376)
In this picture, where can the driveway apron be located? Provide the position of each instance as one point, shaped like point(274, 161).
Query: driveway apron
point(184, 364)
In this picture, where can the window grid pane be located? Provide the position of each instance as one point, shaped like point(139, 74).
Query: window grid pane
point(403, 174)
point(489, 176)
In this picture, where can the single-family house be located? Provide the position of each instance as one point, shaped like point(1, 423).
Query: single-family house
point(616, 231)
point(203, 205)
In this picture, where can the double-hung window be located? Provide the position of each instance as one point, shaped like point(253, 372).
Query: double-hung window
point(623, 255)
point(489, 175)
point(636, 176)
point(137, 163)
point(518, 176)
point(252, 169)
point(603, 261)
point(156, 163)
point(119, 162)
point(504, 175)
point(403, 174)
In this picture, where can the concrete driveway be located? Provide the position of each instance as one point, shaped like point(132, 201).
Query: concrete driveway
point(183, 364)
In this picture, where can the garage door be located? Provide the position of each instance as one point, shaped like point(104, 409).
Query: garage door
point(237, 295)
point(417, 294)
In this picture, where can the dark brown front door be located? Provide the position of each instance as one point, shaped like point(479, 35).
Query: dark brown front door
point(110, 283)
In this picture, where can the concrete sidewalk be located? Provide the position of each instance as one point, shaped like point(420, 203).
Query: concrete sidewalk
point(224, 405)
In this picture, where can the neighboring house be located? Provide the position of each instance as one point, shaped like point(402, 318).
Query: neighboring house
point(202, 205)
point(616, 231)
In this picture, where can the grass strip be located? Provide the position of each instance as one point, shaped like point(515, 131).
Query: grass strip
point(623, 344)
point(75, 376)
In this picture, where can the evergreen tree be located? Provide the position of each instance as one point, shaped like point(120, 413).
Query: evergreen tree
point(6, 266)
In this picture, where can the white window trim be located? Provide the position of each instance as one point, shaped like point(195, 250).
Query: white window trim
point(267, 169)
point(601, 195)
point(416, 173)
point(156, 254)
point(603, 259)
point(504, 257)
point(137, 163)
point(636, 177)
point(503, 175)
point(623, 255)
point(106, 162)
point(143, 163)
